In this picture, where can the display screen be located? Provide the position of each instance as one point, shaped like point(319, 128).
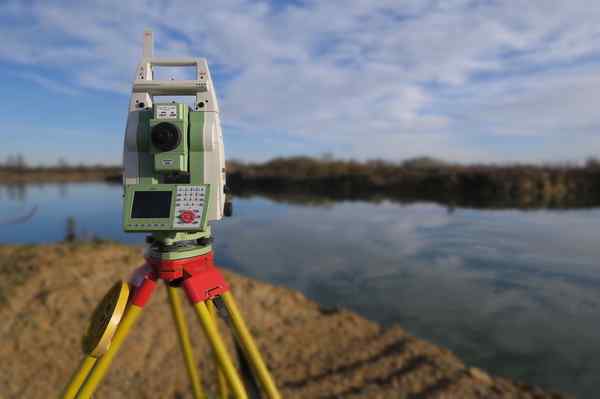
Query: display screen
point(151, 205)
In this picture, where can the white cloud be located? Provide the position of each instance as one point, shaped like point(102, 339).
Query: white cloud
point(50, 84)
point(406, 74)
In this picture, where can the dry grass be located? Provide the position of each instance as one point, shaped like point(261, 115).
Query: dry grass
point(49, 292)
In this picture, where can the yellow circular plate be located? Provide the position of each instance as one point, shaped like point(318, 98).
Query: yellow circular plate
point(105, 319)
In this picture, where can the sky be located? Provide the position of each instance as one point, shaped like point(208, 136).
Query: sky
point(468, 81)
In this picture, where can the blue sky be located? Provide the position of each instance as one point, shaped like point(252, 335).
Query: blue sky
point(468, 81)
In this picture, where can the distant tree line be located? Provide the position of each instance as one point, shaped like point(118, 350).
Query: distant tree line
point(18, 162)
point(423, 178)
point(14, 162)
point(416, 179)
point(15, 169)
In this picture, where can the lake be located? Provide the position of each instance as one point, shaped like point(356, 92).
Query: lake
point(514, 292)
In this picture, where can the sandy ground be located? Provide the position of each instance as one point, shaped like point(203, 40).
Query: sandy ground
point(48, 292)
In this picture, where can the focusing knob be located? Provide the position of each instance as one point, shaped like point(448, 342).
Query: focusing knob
point(187, 216)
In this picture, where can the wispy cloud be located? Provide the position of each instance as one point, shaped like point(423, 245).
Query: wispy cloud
point(390, 78)
point(50, 84)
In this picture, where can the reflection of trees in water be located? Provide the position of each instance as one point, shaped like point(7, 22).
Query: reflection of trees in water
point(324, 199)
point(15, 192)
point(18, 191)
point(63, 190)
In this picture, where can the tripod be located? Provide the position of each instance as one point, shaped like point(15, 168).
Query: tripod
point(186, 264)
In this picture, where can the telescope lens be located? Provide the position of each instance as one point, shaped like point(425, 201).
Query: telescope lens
point(165, 136)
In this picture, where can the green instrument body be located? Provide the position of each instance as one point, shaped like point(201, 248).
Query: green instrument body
point(168, 182)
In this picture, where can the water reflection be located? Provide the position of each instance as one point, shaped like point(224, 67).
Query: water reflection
point(63, 189)
point(511, 291)
point(13, 192)
point(515, 292)
point(20, 191)
point(95, 207)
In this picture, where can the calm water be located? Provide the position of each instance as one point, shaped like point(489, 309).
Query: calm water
point(516, 292)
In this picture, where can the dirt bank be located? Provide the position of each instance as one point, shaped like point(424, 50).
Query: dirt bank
point(47, 293)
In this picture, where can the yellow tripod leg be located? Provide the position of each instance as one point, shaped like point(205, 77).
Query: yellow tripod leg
point(184, 340)
point(79, 377)
point(222, 382)
point(101, 367)
point(250, 347)
point(220, 351)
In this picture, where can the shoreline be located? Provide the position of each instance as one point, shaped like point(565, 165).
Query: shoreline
point(306, 180)
point(313, 352)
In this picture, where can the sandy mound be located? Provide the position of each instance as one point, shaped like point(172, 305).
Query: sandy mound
point(48, 292)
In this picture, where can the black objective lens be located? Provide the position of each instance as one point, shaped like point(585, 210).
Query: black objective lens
point(165, 136)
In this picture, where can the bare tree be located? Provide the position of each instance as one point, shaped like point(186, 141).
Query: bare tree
point(20, 163)
point(592, 163)
point(62, 163)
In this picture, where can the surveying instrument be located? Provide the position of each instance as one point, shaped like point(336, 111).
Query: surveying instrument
point(174, 184)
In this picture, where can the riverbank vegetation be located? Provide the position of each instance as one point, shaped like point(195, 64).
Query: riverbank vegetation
point(19, 174)
point(419, 179)
point(516, 185)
